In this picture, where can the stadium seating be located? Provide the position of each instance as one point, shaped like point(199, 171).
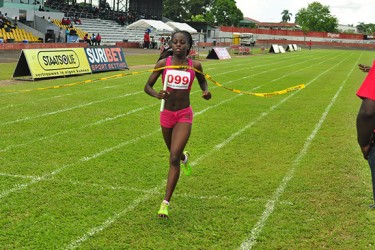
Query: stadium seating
point(110, 31)
point(79, 31)
point(18, 35)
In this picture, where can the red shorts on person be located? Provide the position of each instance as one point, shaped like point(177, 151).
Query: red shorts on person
point(169, 118)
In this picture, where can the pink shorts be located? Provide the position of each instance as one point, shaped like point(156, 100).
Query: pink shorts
point(169, 118)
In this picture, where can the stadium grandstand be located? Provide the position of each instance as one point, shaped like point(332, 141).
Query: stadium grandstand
point(32, 21)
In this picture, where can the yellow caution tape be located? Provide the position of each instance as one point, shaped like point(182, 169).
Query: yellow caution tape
point(208, 77)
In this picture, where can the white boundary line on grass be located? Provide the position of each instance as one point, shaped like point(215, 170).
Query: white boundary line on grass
point(68, 109)
point(20, 176)
point(18, 187)
point(59, 96)
point(99, 122)
point(76, 243)
point(112, 219)
point(143, 191)
point(270, 206)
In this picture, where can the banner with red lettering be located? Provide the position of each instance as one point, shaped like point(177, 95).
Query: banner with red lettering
point(105, 58)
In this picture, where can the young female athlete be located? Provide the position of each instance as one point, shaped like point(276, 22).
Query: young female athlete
point(177, 117)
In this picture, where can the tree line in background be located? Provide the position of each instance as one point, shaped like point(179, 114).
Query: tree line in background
point(215, 12)
point(316, 17)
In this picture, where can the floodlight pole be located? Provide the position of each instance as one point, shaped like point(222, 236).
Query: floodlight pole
point(199, 40)
point(34, 17)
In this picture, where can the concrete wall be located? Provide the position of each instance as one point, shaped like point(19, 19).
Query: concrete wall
point(344, 45)
point(127, 44)
point(30, 10)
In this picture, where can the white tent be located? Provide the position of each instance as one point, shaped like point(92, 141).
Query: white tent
point(182, 26)
point(156, 25)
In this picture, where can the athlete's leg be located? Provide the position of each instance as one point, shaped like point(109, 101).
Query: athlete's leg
point(167, 135)
point(178, 140)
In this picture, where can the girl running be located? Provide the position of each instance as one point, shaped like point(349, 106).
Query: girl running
point(177, 117)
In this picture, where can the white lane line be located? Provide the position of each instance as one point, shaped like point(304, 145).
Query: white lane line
point(19, 187)
point(20, 176)
point(270, 205)
point(68, 109)
point(35, 102)
point(76, 243)
point(107, 119)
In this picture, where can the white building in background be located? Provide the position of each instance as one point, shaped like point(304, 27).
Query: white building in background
point(347, 29)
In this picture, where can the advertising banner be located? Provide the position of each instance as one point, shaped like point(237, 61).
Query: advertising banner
point(106, 58)
point(42, 63)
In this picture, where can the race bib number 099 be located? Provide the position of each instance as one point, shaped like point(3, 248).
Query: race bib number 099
point(178, 79)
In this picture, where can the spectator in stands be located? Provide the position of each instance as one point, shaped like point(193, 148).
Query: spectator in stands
point(95, 10)
point(15, 23)
point(7, 28)
point(121, 20)
point(6, 21)
point(146, 40)
point(93, 39)
point(61, 37)
point(1, 23)
point(77, 20)
point(98, 39)
point(65, 21)
point(153, 43)
point(87, 39)
point(67, 32)
point(130, 18)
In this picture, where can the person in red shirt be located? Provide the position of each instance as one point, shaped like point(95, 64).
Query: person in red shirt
point(87, 39)
point(310, 44)
point(146, 40)
point(98, 39)
point(77, 20)
point(366, 121)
